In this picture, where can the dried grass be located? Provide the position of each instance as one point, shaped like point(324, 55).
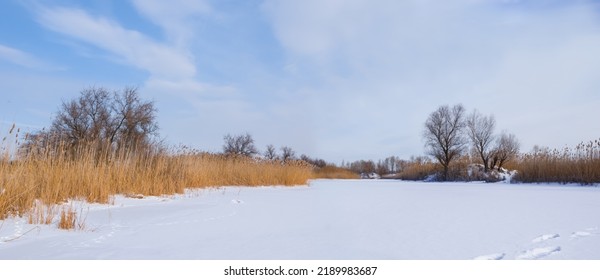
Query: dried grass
point(28, 182)
point(68, 219)
point(41, 213)
point(569, 165)
point(418, 169)
point(334, 172)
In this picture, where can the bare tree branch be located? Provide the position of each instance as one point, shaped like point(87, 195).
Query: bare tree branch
point(242, 145)
point(443, 135)
point(287, 154)
point(107, 119)
point(507, 148)
point(270, 153)
point(480, 130)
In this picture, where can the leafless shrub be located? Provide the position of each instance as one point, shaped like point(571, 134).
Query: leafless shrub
point(316, 162)
point(270, 153)
point(239, 145)
point(287, 154)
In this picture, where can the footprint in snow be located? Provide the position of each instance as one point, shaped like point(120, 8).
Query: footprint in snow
point(584, 233)
point(538, 253)
point(104, 237)
point(498, 256)
point(545, 237)
point(578, 234)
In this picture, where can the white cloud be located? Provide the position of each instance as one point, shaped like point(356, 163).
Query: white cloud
point(201, 114)
point(128, 46)
point(178, 18)
point(189, 111)
point(359, 77)
point(381, 67)
point(24, 59)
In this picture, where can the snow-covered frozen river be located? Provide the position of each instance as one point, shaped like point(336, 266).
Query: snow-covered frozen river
point(329, 219)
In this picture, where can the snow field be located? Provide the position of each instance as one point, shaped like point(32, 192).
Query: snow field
point(328, 220)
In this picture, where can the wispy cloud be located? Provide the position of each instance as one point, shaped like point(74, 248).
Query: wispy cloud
point(349, 79)
point(381, 67)
point(184, 99)
point(179, 18)
point(127, 46)
point(24, 59)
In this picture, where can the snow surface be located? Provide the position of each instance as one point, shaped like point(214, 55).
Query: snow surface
point(329, 219)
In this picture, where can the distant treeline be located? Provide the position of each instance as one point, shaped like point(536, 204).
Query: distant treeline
point(464, 147)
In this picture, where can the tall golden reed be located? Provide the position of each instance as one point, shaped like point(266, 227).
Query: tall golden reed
point(49, 177)
point(569, 165)
point(334, 172)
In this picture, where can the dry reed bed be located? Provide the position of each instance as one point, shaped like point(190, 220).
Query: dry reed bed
point(28, 185)
point(570, 165)
point(418, 170)
point(334, 172)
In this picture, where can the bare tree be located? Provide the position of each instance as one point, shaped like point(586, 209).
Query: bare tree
point(134, 120)
point(382, 168)
point(363, 166)
point(443, 135)
point(317, 162)
point(85, 119)
point(480, 130)
point(287, 153)
point(507, 148)
point(99, 117)
point(392, 164)
point(242, 145)
point(270, 153)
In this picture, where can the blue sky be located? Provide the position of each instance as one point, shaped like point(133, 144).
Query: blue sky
point(339, 80)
